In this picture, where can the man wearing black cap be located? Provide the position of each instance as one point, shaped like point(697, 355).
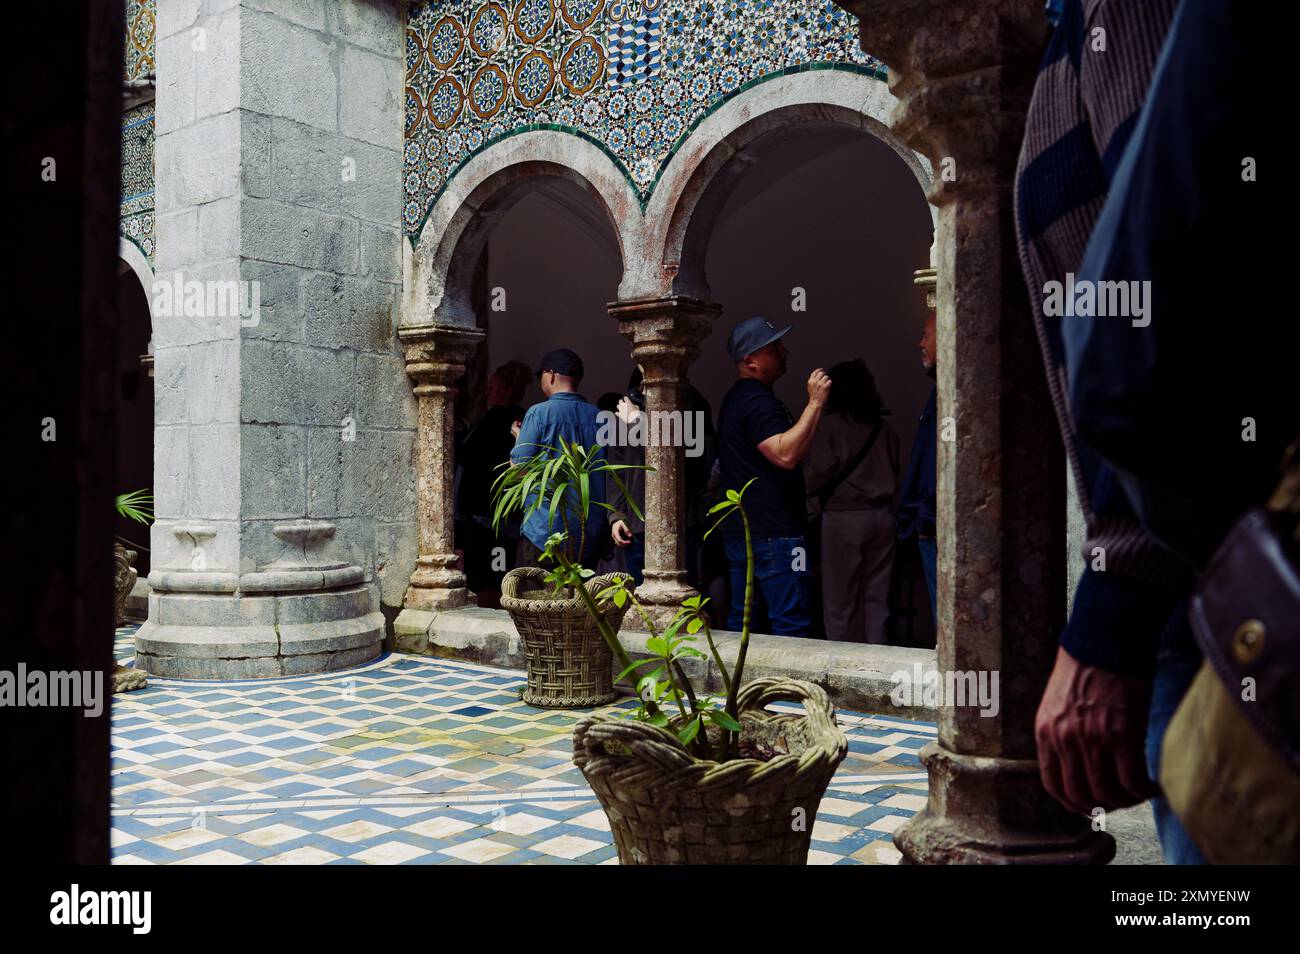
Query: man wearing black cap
point(564, 414)
point(757, 438)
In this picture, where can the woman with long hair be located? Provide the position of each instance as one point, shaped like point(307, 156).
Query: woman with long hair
point(852, 473)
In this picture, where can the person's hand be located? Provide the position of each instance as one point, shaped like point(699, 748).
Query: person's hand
point(1091, 734)
point(819, 387)
point(622, 534)
point(514, 429)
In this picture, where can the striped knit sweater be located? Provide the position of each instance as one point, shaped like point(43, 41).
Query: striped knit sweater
point(1090, 89)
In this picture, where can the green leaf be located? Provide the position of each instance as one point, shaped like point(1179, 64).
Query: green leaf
point(733, 496)
point(722, 718)
point(688, 732)
point(694, 625)
point(636, 665)
point(135, 505)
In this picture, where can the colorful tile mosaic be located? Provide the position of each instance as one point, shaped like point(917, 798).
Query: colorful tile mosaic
point(136, 218)
point(634, 76)
point(412, 760)
point(140, 18)
point(136, 222)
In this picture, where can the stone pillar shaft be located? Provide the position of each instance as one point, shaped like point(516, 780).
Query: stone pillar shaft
point(665, 335)
point(963, 71)
point(436, 356)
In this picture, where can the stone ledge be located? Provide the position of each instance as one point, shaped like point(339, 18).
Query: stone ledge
point(857, 676)
point(137, 602)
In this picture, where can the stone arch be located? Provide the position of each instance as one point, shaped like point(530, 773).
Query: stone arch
point(132, 259)
point(439, 270)
point(695, 183)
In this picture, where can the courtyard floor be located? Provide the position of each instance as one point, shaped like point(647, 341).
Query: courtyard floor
point(415, 760)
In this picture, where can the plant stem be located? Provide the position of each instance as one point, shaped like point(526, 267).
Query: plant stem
point(611, 640)
point(675, 673)
point(717, 658)
point(744, 633)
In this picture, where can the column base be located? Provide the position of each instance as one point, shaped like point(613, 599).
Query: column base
point(437, 598)
point(994, 811)
point(258, 636)
point(661, 593)
point(437, 584)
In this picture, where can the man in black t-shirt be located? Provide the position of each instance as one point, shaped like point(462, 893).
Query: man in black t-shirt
point(757, 438)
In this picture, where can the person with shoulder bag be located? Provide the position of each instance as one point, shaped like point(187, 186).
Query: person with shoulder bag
point(853, 466)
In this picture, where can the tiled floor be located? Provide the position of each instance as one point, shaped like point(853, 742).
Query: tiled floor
point(414, 760)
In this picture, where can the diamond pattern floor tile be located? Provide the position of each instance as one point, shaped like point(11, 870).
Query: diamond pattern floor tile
point(412, 760)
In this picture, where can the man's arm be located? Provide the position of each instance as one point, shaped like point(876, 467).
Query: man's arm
point(787, 449)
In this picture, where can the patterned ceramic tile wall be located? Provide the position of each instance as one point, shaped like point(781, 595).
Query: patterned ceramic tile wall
point(136, 221)
point(634, 76)
point(139, 60)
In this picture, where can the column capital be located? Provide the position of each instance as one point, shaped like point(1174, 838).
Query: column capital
point(436, 354)
point(963, 72)
point(665, 332)
point(927, 279)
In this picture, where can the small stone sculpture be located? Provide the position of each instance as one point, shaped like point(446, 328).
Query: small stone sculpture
point(124, 576)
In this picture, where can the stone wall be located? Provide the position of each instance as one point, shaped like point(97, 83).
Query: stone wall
point(285, 485)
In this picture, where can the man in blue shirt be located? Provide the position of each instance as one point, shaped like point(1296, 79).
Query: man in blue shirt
point(916, 504)
point(758, 438)
point(564, 414)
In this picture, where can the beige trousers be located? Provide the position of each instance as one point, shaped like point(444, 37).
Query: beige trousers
point(857, 561)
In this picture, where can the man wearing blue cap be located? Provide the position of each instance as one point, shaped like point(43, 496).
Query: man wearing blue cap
point(758, 438)
point(564, 414)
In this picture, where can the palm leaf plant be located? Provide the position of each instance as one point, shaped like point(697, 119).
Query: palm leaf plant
point(135, 505)
point(667, 698)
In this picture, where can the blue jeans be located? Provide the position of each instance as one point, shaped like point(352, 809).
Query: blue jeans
point(1176, 665)
point(778, 586)
point(930, 564)
point(634, 554)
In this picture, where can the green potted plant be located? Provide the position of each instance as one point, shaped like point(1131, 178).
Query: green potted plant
point(136, 505)
point(569, 663)
point(687, 778)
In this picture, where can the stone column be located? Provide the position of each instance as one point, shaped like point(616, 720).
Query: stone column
point(284, 426)
point(665, 335)
point(436, 356)
point(963, 71)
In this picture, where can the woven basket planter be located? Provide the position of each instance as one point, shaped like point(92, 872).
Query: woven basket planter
point(569, 664)
point(666, 807)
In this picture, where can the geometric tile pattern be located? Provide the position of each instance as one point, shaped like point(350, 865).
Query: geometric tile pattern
point(633, 50)
point(136, 222)
point(140, 18)
point(136, 216)
point(632, 76)
point(412, 760)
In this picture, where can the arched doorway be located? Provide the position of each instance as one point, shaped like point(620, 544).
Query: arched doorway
point(447, 310)
point(797, 188)
point(547, 270)
point(133, 390)
point(822, 230)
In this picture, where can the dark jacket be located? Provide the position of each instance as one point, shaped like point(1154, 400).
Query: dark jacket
point(481, 453)
point(1081, 115)
point(633, 479)
point(916, 505)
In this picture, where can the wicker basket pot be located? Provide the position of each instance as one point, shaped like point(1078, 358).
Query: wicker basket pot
point(667, 807)
point(569, 664)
